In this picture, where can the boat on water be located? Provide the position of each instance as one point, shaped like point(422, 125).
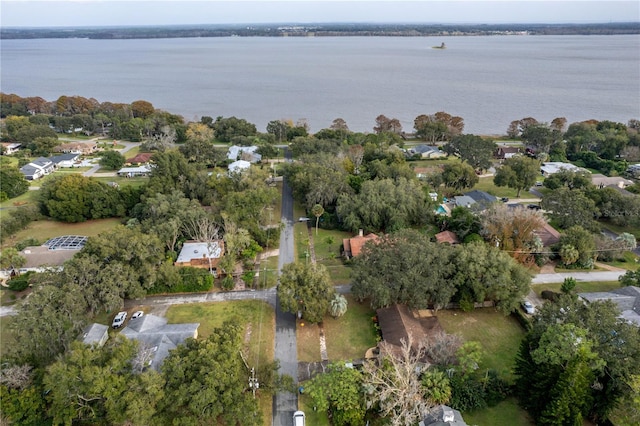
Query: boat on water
point(442, 46)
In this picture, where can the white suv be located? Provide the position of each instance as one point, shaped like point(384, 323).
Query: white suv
point(298, 418)
point(119, 320)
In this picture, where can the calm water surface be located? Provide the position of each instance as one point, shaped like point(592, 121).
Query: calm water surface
point(489, 81)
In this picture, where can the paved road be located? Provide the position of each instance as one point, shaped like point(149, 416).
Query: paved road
point(127, 147)
point(579, 276)
point(286, 403)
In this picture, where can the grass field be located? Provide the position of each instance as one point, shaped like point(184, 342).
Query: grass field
point(42, 230)
point(506, 413)
point(486, 184)
point(628, 261)
point(499, 335)
point(347, 337)
point(327, 248)
point(581, 287)
point(6, 337)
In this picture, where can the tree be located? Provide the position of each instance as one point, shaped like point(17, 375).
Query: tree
point(76, 198)
point(11, 259)
point(518, 173)
point(568, 178)
point(142, 109)
point(472, 149)
point(226, 129)
point(404, 267)
point(436, 387)
point(538, 136)
point(43, 145)
point(204, 382)
point(570, 208)
point(568, 285)
point(91, 384)
point(459, 176)
point(12, 182)
point(578, 245)
point(338, 305)
point(279, 129)
point(305, 289)
point(512, 230)
point(384, 204)
point(393, 384)
point(112, 160)
point(338, 391)
point(317, 211)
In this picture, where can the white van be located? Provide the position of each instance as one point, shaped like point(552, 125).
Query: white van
point(298, 418)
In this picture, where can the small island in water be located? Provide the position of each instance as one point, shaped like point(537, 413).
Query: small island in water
point(442, 46)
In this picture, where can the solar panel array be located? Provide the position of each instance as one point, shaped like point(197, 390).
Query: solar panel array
point(66, 242)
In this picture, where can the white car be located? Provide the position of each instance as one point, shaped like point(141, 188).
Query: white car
point(528, 307)
point(119, 320)
point(137, 314)
point(298, 418)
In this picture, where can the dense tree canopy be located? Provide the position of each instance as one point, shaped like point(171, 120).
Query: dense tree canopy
point(206, 381)
point(518, 173)
point(12, 182)
point(76, 198)
point(112, 160)
point(305, 288)
point(472, 149)
point(584, 344)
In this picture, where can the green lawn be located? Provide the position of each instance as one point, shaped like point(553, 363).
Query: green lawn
point(581, 287)
point(28, 197)
point(256, 317)
point(349, 336)
point(628, 261)
point(506, 413)
point(42, 230)
point(486, 184)
point(327, 248)
point(313, 418)
point(499, 335)
point(6, 337)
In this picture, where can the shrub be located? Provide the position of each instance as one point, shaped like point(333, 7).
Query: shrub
point(248, 277)
point(19, 283)
point(188, 280)
point(467, 393)
point(29, 242)
point(550, 295)
point(227, 283)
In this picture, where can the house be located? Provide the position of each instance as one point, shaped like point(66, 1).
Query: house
point(504, 152)
point(476, 200)
point(447, 237)
point(140, 159)
point(198, 254)
point(634, 170)
point(37, 168)
point(65, 160)
point(157, 338)
point(247, 153)
point(238, 166)
point(443, 415)
point(463, 201)
point(352, 247)
point(426, 151)
point(555, 166)
point(53, 253)
point(398, 323)
point(626, 298)
point(134, 171)
point(83, 148)
point(10, 148)
point(95, 334)
point(602, 181)
point(548, 235)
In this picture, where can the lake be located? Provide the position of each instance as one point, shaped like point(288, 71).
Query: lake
point(489, 81)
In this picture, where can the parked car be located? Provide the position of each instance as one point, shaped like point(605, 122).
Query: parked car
point(538, 183)
point(528, 307)
point(504, 199)
point(119, 320)
point(534, 207)
point(304, 219)
point(298, 418)
point(137, 314)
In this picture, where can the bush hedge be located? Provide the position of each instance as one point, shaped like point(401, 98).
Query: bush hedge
point(190, 280)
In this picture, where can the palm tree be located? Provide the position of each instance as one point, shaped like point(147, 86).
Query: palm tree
point(317, 211)
point(338, 305)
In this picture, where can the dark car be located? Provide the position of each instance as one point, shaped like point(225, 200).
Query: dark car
point(504, 199)
point(534, 207)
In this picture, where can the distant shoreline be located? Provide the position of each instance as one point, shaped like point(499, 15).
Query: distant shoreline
point(318, 30)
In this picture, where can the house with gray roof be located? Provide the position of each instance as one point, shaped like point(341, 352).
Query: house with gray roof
point(157, 338)
point(443, 415)
point(95, 334)
point(37, 168)
point(627, 299)
point(426, 151)
point(247, 153)
point(475, 200)
point(65, 160)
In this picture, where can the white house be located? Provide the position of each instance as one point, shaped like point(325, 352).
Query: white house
point(134, 171)
point(37, 168)
point(247, 153)
point(65, 160)
point(555, 166)
point(239, 166)
point(11, 148)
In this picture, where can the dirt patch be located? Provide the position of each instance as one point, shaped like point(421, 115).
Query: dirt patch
point(247, 334)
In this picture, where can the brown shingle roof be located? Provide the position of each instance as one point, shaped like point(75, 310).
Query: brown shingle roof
point(142, 157)
point(447, 237)
point(548, 235)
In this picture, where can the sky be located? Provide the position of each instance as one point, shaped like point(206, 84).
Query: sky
point(52, 13)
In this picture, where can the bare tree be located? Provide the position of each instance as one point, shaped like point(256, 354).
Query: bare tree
point(441, 348)
point(204, 229)
point(16, 376)
point(394, 383)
